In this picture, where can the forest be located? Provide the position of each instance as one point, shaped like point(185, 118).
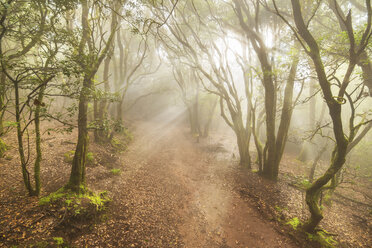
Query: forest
point(186, 123)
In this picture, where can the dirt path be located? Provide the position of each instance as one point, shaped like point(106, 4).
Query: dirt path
point(171, 193)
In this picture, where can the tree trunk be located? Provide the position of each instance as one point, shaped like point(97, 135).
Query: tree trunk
point(243, 146)
point(286, 115)
point(270, 107)
point(2, 101)
point(210, 118)
point(77, 176)
point(340, 151)
point(38, 142)
point(101, 134)
point(25, 172)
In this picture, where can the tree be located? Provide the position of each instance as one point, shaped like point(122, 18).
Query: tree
point(29, 78)
point(334, 99)
point(88, 59)
point(275, 142)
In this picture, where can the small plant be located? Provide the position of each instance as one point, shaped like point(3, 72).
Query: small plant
point(115, 171)
point(295, 222)
point(69, 156)
point(59, 240)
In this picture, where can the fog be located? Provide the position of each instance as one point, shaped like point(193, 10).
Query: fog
point(219, 102)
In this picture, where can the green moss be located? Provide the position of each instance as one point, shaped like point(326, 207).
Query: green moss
point(323, 238)
point(98, 200)
point(74, 202)
point(52, 197)
point(305, 183)
point(3, 148)
point(115, 171)
point(295, 222)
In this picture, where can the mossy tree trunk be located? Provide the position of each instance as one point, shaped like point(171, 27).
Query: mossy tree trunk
point(77, 176)
point(2, 101)
point(38, 141)
point(333, 102)
point(90, 64)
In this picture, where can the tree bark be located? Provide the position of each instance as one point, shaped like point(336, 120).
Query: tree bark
point(38, 142)
point(2, 101)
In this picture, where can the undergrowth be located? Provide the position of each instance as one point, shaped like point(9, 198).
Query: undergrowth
point(121, 142)
point(76, 204)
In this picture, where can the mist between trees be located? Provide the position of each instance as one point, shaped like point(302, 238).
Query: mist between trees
point(276, 73)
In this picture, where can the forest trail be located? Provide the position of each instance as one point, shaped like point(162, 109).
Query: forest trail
point(172, 193)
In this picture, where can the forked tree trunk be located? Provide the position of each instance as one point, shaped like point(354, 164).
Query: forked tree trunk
point(25, 172)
